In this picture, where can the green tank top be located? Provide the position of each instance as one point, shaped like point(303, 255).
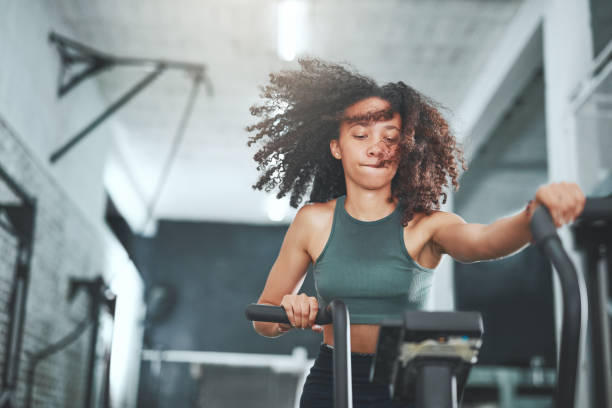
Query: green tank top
point(367, 266)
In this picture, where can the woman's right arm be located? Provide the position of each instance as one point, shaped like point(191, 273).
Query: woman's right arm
point(286, 277)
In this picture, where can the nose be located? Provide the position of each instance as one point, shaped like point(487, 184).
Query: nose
point(378, 149)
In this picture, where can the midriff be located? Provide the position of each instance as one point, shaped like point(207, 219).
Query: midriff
point(364, 337)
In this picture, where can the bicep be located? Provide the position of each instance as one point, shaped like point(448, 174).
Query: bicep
point(289, 270)
point(460, 240)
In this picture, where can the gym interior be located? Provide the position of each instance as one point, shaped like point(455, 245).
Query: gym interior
point(131, 239)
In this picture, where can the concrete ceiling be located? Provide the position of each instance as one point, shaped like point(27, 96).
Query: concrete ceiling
point(437, 47)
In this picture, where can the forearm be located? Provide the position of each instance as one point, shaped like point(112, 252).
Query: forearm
point(267, 329)
point(506, 236)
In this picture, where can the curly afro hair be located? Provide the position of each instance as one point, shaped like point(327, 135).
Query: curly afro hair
point(302, 112)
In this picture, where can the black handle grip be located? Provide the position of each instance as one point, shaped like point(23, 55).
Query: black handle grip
point(269, 313)
point(597, 208)
point(542, 225)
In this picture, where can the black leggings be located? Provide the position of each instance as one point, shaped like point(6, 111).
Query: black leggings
point(318, 388)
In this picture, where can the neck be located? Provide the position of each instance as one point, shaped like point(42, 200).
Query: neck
point(369, 205)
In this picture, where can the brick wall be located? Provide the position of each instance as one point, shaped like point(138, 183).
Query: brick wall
point(71, 239)
point(65, 245)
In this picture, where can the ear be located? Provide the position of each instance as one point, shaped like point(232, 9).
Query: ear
point(335, 149)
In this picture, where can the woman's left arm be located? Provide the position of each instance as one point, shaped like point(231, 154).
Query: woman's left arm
point(478, 242)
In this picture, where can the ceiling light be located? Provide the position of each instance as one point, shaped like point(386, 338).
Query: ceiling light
point(291, 28)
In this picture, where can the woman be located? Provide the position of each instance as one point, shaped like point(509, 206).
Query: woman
point(377, 159)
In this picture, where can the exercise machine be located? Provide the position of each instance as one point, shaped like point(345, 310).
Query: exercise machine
point(426, 356)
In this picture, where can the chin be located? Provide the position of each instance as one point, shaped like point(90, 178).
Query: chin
point(377, 180)
point(375, 184)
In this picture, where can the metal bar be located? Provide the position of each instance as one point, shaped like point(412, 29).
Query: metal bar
point(173, 150)
point(8, 227)
point(604, 57)
point(62, 41)
point(599, 327)
point(343, 383)
point(549, 243)
point(595, 327)
point(17, 306)
point(15, 331)
point(94, 69)
point(14, 187)
point(295, 363)
point(93, 341)
point(606, 356)
point(589, 86)
point(80, 54)
point(39, 355)
point(171, 64)
point(114, 107)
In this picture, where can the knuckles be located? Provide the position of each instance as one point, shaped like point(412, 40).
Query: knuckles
point(565, 200)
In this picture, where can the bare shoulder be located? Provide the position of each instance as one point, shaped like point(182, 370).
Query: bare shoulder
point(315, 220)
point(443, 218)
point(316, 215)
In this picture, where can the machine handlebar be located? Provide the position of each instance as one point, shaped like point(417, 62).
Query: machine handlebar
point(277, 314)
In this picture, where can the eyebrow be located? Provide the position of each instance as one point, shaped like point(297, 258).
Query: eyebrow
point(365, 124)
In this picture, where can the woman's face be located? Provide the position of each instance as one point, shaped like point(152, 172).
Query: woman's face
point(368, 148)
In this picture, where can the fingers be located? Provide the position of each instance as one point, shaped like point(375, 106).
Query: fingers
point(565, 201)
point(288, 306)
point(301, 311)
point(314, 309)
point(580, 200)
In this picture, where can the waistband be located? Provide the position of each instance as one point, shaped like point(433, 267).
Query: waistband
point(329, 348)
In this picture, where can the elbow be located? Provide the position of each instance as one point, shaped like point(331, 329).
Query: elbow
point(266, 329)
point(258, 329)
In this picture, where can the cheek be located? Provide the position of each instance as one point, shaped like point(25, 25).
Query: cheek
point(351, 153)
point(392, 154)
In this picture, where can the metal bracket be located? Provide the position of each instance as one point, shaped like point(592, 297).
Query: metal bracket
point(94, 62)
point(73, 54)
point(96, 289)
